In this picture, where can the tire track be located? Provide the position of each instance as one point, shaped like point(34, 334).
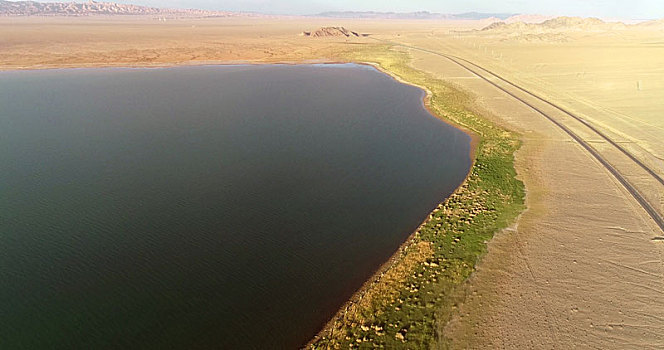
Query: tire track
point(581, 120)
point(616, 174)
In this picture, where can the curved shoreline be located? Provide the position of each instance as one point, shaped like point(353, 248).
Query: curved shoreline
point(495, 150)
point(426, 102)
point(398, 254)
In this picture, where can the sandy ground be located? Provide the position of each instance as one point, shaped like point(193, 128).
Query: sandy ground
point(42, 42)
point(580, 268)
point(615, 80)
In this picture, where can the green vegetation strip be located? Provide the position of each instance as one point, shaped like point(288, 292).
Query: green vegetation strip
point(417, 294)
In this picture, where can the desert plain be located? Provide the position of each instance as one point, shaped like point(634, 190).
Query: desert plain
point(583, 265)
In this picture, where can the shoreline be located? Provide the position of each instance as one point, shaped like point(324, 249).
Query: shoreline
point(401, 250)
point(456, 232)
point(426, 103)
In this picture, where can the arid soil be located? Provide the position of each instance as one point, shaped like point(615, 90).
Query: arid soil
point(582, 267)
point(42, 42)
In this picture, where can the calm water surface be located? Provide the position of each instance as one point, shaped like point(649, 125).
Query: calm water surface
point(205, 207)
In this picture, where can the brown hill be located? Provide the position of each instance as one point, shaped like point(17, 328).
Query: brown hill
point(571, 23)
point(331, 32)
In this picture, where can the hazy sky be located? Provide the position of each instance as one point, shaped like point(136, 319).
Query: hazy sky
point(628, 9)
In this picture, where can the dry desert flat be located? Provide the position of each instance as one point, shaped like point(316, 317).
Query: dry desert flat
point(53, 42)
point(582, 267)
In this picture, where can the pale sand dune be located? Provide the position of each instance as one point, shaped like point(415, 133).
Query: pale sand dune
point(580, 268)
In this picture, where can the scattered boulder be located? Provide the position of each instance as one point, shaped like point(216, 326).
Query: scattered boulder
point(400, 336)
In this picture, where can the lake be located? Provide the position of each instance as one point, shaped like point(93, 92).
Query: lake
point(206, 207)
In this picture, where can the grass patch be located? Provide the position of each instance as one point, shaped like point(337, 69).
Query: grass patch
point(409, 301)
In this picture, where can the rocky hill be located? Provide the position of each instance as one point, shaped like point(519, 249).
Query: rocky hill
point(332, 32)
point(571, 23)
point(91, 8)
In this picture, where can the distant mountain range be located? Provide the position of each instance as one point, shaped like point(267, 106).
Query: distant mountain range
point(558, 24)
point(497, 21)
point(414, 15)
point(559, 29)
point(91, 8)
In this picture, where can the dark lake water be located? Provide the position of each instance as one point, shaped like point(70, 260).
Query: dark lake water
point(205, 207)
